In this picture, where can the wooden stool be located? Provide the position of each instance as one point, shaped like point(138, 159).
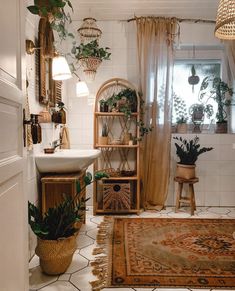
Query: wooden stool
point(188, 200)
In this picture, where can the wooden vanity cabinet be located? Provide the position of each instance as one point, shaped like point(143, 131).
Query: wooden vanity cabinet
point(54, 186)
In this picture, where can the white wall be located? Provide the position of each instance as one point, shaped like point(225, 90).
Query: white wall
point(120, 37)
point(215, 170)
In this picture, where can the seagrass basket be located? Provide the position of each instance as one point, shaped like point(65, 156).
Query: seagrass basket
point(56, 255)
point(90, 63)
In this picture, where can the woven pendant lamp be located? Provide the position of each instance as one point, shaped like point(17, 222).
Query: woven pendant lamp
point(225, 21)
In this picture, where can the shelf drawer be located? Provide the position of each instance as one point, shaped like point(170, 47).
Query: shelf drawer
point(116, 196)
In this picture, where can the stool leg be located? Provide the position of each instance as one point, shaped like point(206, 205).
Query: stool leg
point(178, 196)
point(192, 199)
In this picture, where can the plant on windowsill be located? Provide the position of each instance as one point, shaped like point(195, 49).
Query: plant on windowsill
point(54, 11)
point(188, 152)
point(197, 111)
point(56, 230)
point(179, 106)
point(221, 93)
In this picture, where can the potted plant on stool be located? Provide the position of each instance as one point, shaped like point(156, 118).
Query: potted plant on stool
point(56, 230)
point(188, 152)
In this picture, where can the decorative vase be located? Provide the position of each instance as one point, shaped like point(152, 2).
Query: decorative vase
point(182, 128)
point(56, 255)
point(185, 171)
point(221, 127)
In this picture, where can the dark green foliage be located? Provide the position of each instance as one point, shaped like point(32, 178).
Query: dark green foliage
point(189, 150)
point(91, 49)
point(180, 109)
point(220, 92)
point(54, 9)
point(59, 221)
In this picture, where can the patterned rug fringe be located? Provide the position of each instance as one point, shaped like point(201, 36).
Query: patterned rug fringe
point(100, 264)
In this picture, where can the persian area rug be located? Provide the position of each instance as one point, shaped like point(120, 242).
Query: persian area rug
point(163, 252)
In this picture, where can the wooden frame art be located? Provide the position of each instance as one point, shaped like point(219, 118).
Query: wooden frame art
point(49, 90)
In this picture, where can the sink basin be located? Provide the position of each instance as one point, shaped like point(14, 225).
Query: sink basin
point(66, 160)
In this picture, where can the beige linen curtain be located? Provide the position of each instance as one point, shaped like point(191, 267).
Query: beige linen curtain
point(155, 52)
point(230, 65)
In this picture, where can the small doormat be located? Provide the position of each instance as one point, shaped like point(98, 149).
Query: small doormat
point(163, 252)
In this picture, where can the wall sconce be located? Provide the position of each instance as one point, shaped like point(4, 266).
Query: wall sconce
point(225, 21)
point(81, 89)
point(30, 47)
point(60, 68)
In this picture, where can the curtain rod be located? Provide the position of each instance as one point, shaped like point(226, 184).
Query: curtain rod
point(178, 19)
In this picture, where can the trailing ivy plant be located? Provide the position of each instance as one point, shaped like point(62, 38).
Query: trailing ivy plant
point(91, 49)
point(54, 11)
point(59, 221)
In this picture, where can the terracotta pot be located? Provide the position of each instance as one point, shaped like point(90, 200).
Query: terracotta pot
point(185, 171)
point(221, 127)
point(103, 140)
point(56, 255)
point(182, 128)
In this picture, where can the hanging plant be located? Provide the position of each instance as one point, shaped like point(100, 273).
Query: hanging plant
point(54, 11)
point(193, 79)
point(90, 56)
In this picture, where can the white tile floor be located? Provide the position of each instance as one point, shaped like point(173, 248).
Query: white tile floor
point(79, 273)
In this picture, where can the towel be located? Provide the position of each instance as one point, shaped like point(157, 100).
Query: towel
point(65, 138)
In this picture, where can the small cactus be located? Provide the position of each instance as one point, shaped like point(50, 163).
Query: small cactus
point(105, 130)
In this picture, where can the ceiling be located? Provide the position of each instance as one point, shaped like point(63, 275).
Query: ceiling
point(125, 9)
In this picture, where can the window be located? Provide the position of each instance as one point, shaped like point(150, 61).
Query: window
point(189, 93)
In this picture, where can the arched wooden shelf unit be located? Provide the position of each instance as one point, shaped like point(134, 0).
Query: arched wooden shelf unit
point(120, 193)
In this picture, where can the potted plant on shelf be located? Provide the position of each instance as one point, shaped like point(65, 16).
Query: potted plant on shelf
point(221, 93)
point(54, 12)
point(197, 111)
point(104, 107)
point(179, 106)
point(103, 139)
point(90, 56)
point(56, 230)
point(188, 152)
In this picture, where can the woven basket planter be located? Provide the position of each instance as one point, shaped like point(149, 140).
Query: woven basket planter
point(185, 171)
point(90, 63)
point(56, 255)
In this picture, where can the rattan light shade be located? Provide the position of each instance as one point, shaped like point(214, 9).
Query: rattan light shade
point(225, 21)
point(89, 30)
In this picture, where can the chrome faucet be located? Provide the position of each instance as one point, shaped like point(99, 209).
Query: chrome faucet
point(56, 143)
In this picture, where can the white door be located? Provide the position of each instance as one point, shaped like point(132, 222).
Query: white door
point(13, 202)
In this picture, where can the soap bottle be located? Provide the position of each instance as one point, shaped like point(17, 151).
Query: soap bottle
point(34, 129)
point(39, 129)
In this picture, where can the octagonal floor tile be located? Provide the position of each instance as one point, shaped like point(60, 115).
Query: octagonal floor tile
point(84, 241)
point(38, 280)
point(59, 286)
point(78, 263)
point(82, 278)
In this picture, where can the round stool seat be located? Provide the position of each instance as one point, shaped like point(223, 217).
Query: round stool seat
point(188, 181)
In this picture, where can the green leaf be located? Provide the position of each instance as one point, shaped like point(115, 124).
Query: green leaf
point(33, 9)
point(88, 178)
point(78, 186)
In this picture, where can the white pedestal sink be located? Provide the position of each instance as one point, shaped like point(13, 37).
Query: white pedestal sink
point(66, 160)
